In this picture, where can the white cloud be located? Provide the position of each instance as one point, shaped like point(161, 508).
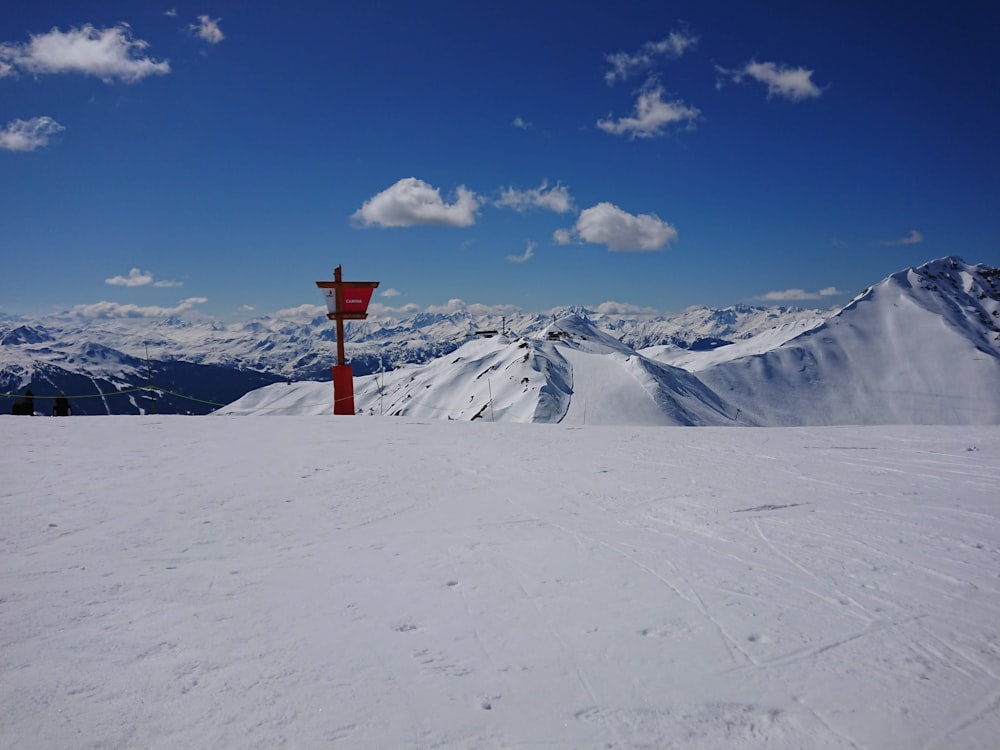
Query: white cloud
point(624, 308)
point(135, 278)
point(789, 83)
point(115, 310)
point(555, 199)
point(389, 293)
point(522, 124)
point(172, 12)
point(798, 295)
point(788, 294)
point(27, 135)
point(913, 238)
point(6, 69)
point(562, 237)
point(606, 224)
point(528, 253)
point(652, 115)
point(385, 311)
point(412, 202)
point(451, 306)
point(108, 54)
point(139, 278)
point(623, 64)
point(475, 308)
point(243, 308)
point(303, 312)
point(208, 29)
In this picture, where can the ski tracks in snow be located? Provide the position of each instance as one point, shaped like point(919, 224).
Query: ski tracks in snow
point(891, 578)
point(412, 585)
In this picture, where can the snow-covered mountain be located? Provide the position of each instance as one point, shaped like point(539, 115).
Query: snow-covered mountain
point(921, 347)
point(571, 371)
point(215, 363)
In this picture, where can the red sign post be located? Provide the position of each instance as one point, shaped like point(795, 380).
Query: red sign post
point(345, 300)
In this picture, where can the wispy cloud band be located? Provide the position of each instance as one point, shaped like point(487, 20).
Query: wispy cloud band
point(652, 115)
point(116, 310)
point(913, 238)
point(798, 295)
point(624, 64)
point(556, 199)
point(528, 254)
point(139, 278)
point(794, 84)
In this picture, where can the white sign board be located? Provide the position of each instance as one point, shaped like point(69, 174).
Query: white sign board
point(331, 300)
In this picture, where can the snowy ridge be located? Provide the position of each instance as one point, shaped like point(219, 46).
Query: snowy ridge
point(920, 347)
point(694, 360)
point(689, 327)
point(569, 372)
point(301, 344)
point(215, 362)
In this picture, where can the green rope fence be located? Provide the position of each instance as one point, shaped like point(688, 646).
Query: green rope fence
point(88, 395)
point(105, 394)
point(396, 406)
point(144, 389)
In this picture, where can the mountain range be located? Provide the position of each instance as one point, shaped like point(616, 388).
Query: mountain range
point(922, 346)
point(134, 365)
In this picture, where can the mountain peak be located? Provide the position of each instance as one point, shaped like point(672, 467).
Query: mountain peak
point(920, 347)
point(579, 332)
point(25, 334)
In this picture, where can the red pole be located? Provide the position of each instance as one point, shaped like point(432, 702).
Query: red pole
point(343, 375)
point(343, 389)
point(339, 295)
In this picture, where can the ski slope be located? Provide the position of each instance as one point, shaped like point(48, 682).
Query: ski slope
point(604, 395)
point(343, 582)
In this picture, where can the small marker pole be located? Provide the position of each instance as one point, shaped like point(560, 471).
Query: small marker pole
point(350, 302)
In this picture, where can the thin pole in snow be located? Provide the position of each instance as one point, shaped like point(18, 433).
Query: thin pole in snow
point(381, 386)
point(149, 379)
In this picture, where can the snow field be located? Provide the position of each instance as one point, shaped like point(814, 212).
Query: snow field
point(173, 582)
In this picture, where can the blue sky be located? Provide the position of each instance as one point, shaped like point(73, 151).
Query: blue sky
point(220, 157)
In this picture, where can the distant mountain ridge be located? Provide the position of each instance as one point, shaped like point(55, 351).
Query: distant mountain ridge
point(218, 362)
point(921, 346)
